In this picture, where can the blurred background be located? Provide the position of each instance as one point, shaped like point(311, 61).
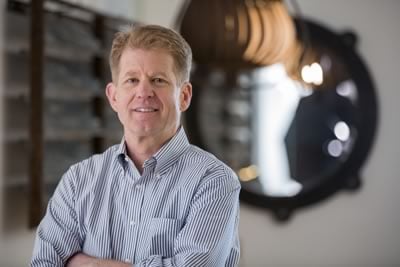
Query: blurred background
point(321, 189)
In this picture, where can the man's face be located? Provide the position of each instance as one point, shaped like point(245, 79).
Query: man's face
point(146, 94)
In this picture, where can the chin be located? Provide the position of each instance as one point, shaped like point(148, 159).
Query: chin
point(143, 132)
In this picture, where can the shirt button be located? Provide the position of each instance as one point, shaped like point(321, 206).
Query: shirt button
point(158, 176)
point(127, 260)
point(131, 223)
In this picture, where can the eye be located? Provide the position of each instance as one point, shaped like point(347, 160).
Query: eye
point(159, 81)
point(132, 80)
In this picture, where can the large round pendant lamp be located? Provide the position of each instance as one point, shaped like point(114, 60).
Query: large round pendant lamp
point(240, 33)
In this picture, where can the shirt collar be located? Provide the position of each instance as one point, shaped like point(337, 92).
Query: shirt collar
point(171, 151)
point(166, 156)
point(121, 153)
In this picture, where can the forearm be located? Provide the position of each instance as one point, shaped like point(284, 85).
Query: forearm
point(83, 260)
point(57, 236)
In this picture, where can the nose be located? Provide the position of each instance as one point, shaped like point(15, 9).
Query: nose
point(144, 90)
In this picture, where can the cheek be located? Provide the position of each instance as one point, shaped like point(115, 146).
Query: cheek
point(123, 100)
point(122, 110)
point(169, 101)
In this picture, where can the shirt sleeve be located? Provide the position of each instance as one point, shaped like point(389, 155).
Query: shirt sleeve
point(210, 234)
point(57, 237)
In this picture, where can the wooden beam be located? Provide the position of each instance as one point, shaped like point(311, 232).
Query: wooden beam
point(36, 114)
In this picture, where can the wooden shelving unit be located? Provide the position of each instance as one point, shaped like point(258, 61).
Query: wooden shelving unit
point(56, 61)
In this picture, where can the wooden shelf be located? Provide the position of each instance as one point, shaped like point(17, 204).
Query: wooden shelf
point(55, 82)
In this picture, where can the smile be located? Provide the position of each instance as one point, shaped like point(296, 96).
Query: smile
point(145, 110)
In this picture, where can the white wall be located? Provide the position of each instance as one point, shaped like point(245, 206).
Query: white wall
point(158, 11)
point(124, 8)
point(348, 229)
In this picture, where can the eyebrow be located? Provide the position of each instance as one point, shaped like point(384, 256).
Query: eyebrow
point(129, 73)
point(133, 73)
point(160, 73)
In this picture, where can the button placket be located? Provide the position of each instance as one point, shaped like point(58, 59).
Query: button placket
point(134, 188)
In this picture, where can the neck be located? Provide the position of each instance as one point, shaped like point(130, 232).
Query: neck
point(139, 149)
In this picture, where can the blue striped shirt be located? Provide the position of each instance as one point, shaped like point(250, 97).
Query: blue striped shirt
point(183, 210)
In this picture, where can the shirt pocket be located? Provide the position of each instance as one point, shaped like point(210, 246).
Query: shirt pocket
point(163, 233)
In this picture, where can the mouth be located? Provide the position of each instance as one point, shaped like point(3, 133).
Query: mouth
point(145, 110)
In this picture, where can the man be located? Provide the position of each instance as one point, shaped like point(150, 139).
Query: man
point(153, 200)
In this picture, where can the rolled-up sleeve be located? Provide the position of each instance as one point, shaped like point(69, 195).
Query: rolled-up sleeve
point(209, 236)
point(57, 236)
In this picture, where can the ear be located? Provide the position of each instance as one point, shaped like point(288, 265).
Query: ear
point(185, 96)
point(111, 92)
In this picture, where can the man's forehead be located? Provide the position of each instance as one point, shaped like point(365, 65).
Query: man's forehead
point(137, 55)
point(155, 61)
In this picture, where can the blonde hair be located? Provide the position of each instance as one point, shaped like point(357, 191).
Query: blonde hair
point(150, 37)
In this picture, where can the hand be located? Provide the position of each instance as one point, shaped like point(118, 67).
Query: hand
point(83, 260)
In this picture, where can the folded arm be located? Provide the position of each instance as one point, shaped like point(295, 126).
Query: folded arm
point(57, 235)
point(209, 237)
